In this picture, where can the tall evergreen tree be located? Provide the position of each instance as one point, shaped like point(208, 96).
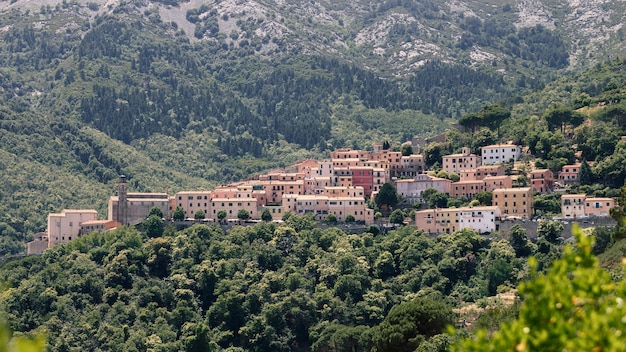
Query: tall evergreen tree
point(585, 175)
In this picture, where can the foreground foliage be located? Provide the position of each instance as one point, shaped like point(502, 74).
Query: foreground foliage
point(575, 306)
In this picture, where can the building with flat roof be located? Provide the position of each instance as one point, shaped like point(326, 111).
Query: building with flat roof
point(494, 182)
point(542, 180)
point(514, 202)
point(66, 225)
point(466, 189)
point(192, 201)
point(500, 153)
point(569, 174)
point(411, 189)
point(459, 162)
point(595, 206)
point(580, 206)
point(573, 205)
point(447, 220)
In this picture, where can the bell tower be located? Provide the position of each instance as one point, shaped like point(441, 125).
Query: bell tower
point(122, 204)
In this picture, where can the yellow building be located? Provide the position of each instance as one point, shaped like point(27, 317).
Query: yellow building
point(192, 201)
point(580, 206)
point(232, 206)
point(514, 202)
point(573, 205)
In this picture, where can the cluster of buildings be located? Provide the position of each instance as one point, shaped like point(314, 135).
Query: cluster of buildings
point(340, 185)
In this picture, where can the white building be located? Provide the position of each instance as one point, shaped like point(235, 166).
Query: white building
point(500, 153)
point(480, 219)
point(411, 189)
point(66, 226)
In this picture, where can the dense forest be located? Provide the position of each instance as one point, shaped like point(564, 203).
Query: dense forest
point(288, 287)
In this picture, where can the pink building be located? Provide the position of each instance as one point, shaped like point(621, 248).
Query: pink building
point(363, 177)
point(599, 206)
point(347, 153)
point(494, 182)
point(569, 174)
point(458, 162)
point(581, 206)
point(542, 180)
point(466, 189)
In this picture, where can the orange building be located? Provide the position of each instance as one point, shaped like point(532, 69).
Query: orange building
point(515, 202)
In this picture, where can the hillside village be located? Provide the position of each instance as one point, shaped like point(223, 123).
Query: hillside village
point(345, 186)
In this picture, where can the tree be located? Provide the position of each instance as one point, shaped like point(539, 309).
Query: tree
point(602, 239)
point(199, 215)
point(286, 216)
point(470, 121)
point(396, 217)
point(556, 117)
point(19, 342)
point(585, 175)
point(410, 323)
point(153, 226)
point(387, 197)
point(243, 214)
point(331, 219)
point(485, 198)
point(179, 214)
point(350, 219)
point(407, 149)
point(155, 211)
point(266, 215)
point(427, 193)
point(550, 230)
point(519, 241)
point(221, 215)
point(575, 306)
point(619, 214)
point(493, 115)
point(438, 200)
point(433, 154)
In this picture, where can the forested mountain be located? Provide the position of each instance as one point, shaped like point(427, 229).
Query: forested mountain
point(187, 94)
